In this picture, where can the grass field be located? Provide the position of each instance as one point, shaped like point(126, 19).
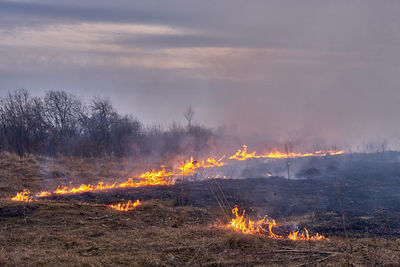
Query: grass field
point(157, 233)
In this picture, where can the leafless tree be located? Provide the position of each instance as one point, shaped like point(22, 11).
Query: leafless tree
point(188, 114)
point(60, 122)
point(62, 111)
point(16, 119)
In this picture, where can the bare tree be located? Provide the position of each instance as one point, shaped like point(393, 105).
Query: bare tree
point(188, 114)
point(16, 119)
point(62, 112)
point(98, 124)
point(60, 122)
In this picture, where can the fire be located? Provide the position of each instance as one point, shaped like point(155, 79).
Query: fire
point(190, 166)
point(24, 196)
point(246, 226)
point(126, 206)
point(80, 189)
point(212, 162)
point(242, 154)
point(305, 236)
point(240, 224)
point(149, 178)
point(43, 194)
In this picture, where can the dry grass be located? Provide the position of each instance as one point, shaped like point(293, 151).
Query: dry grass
point(156, 233)
point(72, 233)
point(42, 173)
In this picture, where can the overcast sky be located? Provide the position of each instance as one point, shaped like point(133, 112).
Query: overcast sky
point(328, 70)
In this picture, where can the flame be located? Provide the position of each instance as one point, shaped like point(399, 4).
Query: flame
point(149, 178)
point(126, 206)
point(240, 224)
point(247, 226)
point(242, 154)
point(43, 194)
point(305, 236)
point(212, 162)
point(24, 196)
point(190, 166)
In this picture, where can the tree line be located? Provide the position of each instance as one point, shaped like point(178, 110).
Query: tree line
point(60, 123)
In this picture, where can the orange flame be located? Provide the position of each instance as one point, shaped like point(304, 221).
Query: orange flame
point(24, 196)
point(240, 224)
point(242, 154)
point(306, 236)
point(43, 194)
point(190, 166)
point(126, 206)
point(149, 178)
point(247, 226)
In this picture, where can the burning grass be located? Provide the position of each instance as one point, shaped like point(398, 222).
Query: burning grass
point(125, 206)
point(265, 226)
point(163, 177)
point(23, 196)
point(242, 154)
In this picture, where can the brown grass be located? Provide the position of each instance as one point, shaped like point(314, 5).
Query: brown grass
point(74, 233)
point(71, 233)
point(38, 173)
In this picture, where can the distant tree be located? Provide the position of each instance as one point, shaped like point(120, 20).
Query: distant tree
point(60, 123)
point(108, 131)
point(188, 114)
point(62, 116)
point(22, 126)
point(126, 133)
point(40, 133)
point(97, 124)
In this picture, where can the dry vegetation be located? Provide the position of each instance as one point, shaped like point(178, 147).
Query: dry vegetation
point(56, 233)
point(156, 233)
point(38, 173)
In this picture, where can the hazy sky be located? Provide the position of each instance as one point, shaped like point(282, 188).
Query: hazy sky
point(328, 70)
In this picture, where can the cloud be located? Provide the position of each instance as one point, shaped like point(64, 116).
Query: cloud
point(280, 69)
